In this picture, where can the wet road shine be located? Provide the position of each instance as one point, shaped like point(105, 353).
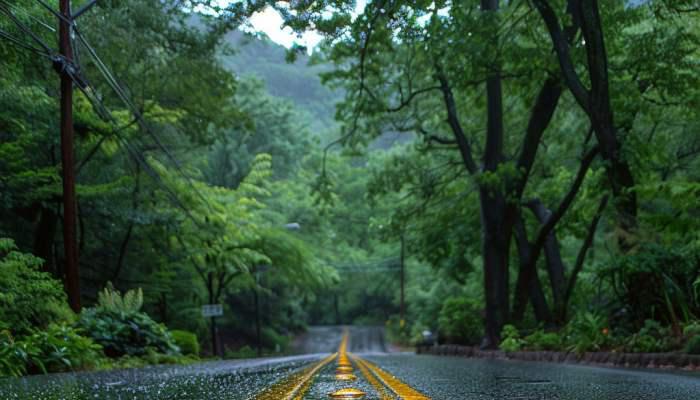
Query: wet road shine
point(358, 366)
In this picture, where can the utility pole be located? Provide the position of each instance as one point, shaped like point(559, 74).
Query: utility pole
point(72, 278)
point(403, 279)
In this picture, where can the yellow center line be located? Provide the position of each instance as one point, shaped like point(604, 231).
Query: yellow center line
point(382, 391)
point(296, 385)
point(401, 389)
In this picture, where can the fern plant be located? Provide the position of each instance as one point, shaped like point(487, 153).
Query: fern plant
point(111, 299)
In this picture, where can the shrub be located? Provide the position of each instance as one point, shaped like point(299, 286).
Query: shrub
point(459, 321)
point(691, 329)
point(657, 282)
point(57, 349)
point(541, 340)
point(186, 341)
point(29, 298)
point(693, 345)
point(122, 333)
point(243, 352)
point(588, 332)
point(12, 356)
point(510, 339)
point(651, 338)
point(117, 324)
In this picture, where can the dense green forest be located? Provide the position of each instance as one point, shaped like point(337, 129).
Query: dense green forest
point(526, 176)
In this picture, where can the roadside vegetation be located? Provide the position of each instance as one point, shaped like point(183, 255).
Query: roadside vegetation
point(531, 166)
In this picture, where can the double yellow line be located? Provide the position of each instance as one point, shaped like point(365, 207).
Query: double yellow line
point(388, 387)
point(295, 386)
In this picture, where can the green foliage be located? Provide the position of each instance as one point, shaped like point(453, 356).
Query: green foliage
point(186, 341)
point(510, 339)
point(460, 320)
point(693, 345)
point(243, 352)
point(588, 332)
point(651, 338)
point(13, 358)
point(29, 298)
point(125, 333)
point(656, 282)
point(110, 299)
point(59, 348)
point(541, 340)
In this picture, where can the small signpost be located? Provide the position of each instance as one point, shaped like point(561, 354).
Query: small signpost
point(212, 310)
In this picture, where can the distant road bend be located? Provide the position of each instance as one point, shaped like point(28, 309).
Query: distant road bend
point(353, 362)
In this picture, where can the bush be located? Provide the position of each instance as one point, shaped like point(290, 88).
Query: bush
point(510, 339)
point(460, 321)
point(57, 349)
point(691, 329)
point(657, 282)
point(541, 340)
point(12, 356)
point(693, 345)
point(186, 341)
point(588, 332)
point(29, 298)
point(651, 338)
point(243, 352)
point(117, 324)
point(122, 333)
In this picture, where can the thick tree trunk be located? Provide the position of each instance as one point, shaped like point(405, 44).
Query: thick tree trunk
point(496, 232)
point(497, 216)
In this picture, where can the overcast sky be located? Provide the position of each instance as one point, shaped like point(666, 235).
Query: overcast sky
point(270, 22)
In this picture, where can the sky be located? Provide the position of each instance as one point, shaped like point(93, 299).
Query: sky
point(270, 22)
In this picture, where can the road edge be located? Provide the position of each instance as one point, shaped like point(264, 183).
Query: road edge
point(663, 361)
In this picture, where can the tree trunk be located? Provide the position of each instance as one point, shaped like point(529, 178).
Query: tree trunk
point(555, 265)
point(528, 285)
point(496, 232)
point(601, 115)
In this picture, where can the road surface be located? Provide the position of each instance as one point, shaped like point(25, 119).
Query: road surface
point(379, 375)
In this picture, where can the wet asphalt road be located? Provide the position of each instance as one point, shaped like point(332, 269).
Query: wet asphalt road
point(439, 378)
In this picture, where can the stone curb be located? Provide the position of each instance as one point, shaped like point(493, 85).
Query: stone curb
point(677, 361)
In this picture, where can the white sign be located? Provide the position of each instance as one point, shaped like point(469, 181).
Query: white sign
point(212, 310)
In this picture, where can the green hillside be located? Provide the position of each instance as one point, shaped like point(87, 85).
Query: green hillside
point(298, 81)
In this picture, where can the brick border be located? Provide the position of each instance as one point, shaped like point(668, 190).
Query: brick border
point(672, 361)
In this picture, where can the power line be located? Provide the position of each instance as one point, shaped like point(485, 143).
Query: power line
point(18, 43)
point(28, 15)
point(114, 84)
point(97, 104)
point(6, 10)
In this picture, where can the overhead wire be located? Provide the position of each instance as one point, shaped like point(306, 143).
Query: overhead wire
point(102, 110)
point(6, 10)
point(97, 103)
point(19, 43)
point(28, 15)
point(114, 84)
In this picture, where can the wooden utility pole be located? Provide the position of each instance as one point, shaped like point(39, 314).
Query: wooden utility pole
point(72, 278)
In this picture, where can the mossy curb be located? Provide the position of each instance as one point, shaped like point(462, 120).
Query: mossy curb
point(680, 361)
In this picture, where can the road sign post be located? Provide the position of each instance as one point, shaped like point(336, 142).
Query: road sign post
point(212, 311)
